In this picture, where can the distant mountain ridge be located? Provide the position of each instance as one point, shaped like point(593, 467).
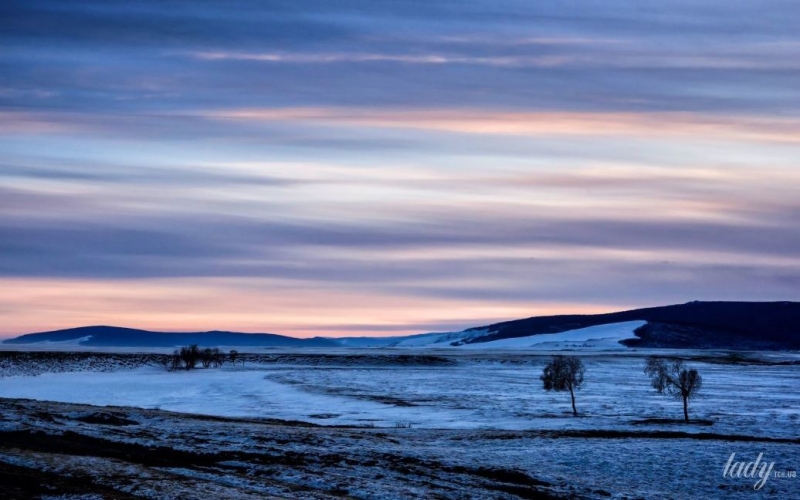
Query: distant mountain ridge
point(700, 325)
point(114, 336)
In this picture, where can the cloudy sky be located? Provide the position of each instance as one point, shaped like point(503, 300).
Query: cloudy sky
point(376, 167)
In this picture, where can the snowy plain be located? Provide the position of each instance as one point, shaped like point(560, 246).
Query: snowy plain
point(472, 406)
point(497, 389)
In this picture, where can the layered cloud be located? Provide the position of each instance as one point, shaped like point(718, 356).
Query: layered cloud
point(375, 167)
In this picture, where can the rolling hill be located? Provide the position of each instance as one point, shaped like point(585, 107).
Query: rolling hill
point(698, 325)
point(113, 336)
point(725, 325)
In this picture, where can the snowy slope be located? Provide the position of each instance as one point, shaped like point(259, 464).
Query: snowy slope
point(442, 339)
point(366, 342)
point(439, 339)
point(594, 337)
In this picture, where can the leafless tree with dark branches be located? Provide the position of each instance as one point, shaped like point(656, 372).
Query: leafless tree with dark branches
point(673, 378)
point(206, 357)
point(190, 356)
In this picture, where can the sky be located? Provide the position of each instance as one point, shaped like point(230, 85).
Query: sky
point(384, 168)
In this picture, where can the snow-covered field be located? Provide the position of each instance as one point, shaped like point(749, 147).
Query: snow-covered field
point(499, 390)
point(463, 409)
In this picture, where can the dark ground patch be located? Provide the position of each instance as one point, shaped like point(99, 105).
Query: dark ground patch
point(672, 421)
point(106, 418)
point(277, 452)
point(22, 483)
point(626, 434)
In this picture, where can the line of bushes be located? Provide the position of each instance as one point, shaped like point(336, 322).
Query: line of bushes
point(188, 357)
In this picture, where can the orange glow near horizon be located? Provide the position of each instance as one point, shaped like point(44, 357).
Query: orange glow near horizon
point(214, 304)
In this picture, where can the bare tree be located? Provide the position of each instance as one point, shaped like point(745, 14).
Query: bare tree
point(218, 357)
point(206, 357)
point(673, 378)
point(190, 356)
point(564, 373)
point(170, 362)
point(211, 356)
point(234, 354)
point(175, 361)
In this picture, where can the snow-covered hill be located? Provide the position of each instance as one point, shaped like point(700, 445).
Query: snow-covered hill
point(594, 337)
point(695, 325)
point(113, 336)
point(441, 339)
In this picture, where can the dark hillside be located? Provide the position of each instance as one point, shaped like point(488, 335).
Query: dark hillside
point(736, 325)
